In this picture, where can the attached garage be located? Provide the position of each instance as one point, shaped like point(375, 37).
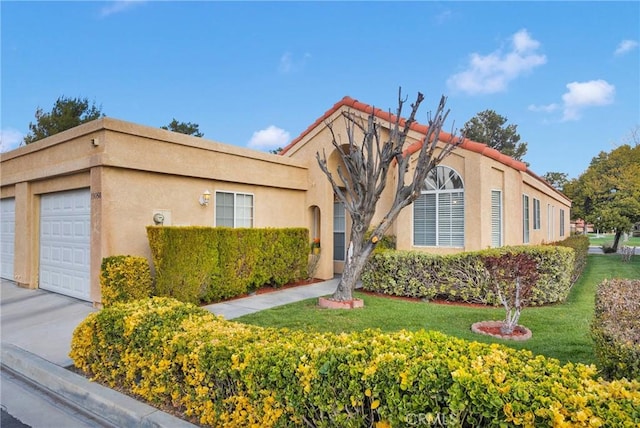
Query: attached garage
point(65, 244)
point(7, 236)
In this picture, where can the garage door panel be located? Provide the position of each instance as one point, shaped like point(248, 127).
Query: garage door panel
point(65, 243)
point(7, 237)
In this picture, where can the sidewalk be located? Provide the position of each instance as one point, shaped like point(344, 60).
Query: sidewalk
point(36, 331)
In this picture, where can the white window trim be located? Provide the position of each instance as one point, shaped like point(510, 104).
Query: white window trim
point(464, 218)
point(536, 214)
point(342, 231)
point(235, 195)
point(526, 232)
point(501, 243)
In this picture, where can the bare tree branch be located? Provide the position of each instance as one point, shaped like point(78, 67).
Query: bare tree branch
point(365, 176)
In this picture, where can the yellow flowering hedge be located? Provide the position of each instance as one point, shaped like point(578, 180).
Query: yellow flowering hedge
point(124, 278)
point(227, 374)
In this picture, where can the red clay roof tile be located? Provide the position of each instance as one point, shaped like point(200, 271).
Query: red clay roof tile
point(467, 144)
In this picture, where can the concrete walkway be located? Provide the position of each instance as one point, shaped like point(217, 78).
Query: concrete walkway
point(36, 331)
point(259, 302)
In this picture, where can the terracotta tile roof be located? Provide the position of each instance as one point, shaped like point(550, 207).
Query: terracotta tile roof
point(467, 144)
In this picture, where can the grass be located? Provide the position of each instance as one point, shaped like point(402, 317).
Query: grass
point(560, 331)
point(634, 241)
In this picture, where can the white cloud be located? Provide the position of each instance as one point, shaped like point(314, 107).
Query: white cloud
point(443, 17)
point(10, 139)
point(544, 108)
point(119, 6)
point(487, 74)
point(269, 138)
point(586, 94)
point(289, 64)
point(626, 46)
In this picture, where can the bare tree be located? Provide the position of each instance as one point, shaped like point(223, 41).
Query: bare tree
point(367, 163)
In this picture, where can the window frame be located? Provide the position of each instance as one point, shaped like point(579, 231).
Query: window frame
point(526, 219)
point(536, 214)
point(500, 222)
point(550, 222)
point(235, 207)
point(339, 231)
point(455, 196)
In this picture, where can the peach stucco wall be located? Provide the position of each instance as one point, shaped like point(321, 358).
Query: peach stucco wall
point(480, 175)
point(133, 172)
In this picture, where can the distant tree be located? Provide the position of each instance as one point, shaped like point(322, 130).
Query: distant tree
point(633, 138)
point(607, 194)
point(556, 179)
point(488, 127)
point(367, 159)
point(275, 151)
point(187, 128)
point(66, 113)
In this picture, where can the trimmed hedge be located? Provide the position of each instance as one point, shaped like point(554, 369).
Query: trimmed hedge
point(616, 328)
point(124, 278)
point(221, 373)
point(206, 264)
point(463, 277)
point(580, 245)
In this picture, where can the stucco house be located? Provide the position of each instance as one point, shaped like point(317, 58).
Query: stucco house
point(89, 192)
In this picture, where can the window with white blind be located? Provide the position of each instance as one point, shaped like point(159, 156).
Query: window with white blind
point(561, 222)
point(496, 218)
point(536, 214)
point(339, 230)
point(234, 209)
point(525, 219)
point(438, 214)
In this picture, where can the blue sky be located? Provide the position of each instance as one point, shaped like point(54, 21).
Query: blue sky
point(256, 74)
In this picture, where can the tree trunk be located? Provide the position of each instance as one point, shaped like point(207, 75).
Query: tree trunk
point(357, 255)
point(616, 240)
point(349, 280)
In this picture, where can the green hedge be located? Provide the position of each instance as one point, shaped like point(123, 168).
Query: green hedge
point(580, 245)
point(205, 264)
point(124, 278)
point(616, 328)
point(462, 277)
point(221, 373)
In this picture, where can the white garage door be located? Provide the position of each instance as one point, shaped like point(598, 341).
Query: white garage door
point(7, 237)
point(65, 220)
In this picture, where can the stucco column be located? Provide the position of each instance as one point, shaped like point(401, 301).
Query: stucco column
point(25, 267)
point(97, 231)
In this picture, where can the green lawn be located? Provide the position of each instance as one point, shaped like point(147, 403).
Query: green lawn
point(634, 241)
point(560, 331)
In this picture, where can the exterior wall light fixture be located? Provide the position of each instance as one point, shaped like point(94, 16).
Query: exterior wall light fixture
point(205, 198)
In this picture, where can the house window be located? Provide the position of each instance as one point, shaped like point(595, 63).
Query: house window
point(339, 230)
point(561, 222)
point(438, 214)
point(536, 214)
point(496, 218)
point(525, 219)
point(234, 209)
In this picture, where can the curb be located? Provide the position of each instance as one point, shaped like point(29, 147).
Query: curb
point(110, 405)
